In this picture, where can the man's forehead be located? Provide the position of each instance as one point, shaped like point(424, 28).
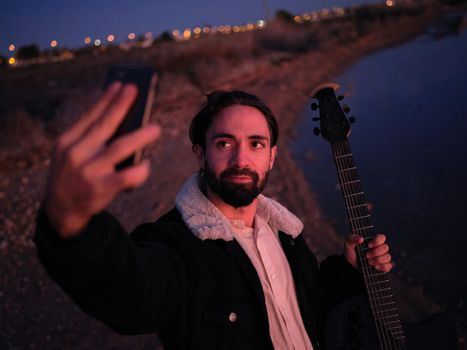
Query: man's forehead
point(240, 119)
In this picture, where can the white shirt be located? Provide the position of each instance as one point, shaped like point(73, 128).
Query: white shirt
point(264, 249)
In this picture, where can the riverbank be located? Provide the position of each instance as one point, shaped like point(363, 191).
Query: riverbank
point(281, 63)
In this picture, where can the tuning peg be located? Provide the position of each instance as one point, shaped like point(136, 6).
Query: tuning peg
point(316, 131)
point(346, 108)
point(352, 120)
point(314, 106)
point(340, 97)
point(315, 119)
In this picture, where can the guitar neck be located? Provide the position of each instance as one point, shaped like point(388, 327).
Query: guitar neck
point(354, 197)
point(381, 297)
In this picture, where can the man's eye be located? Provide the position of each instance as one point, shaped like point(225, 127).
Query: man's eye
point(223, 144)
point(257, 145)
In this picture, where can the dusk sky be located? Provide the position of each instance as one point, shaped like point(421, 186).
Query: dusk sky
point(25, 22)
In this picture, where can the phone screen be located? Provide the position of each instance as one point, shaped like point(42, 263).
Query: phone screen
point(138, 115)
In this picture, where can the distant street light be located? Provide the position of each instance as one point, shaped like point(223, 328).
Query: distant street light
point(11, 48)
point(187, 34)
point(87, 40)
point(175, 32)
point(53, 43)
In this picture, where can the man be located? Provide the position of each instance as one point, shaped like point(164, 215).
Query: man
point(226, 269)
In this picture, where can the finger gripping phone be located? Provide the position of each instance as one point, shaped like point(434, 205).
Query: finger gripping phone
point(145, 78)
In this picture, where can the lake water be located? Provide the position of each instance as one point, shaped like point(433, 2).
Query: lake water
point(409, 143)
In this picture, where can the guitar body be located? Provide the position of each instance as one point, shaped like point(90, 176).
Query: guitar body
point(371, 321)
point(351, 326)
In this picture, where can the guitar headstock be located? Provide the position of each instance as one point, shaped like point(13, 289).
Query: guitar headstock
point(334, 126)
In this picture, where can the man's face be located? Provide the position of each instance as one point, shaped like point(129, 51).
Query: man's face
point(238, 155)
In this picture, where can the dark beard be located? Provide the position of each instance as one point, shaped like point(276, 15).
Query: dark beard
point(235, 194)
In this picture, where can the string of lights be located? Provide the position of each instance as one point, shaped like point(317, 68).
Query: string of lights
point(193, 33)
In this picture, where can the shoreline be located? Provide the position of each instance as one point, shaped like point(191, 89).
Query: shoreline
point(283, 79)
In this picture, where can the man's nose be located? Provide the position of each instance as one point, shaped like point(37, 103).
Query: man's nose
point(240, 157)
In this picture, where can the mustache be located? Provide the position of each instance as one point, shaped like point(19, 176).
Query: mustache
point(239, 172)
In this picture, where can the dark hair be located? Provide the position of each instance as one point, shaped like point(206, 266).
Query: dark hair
point(216, 102)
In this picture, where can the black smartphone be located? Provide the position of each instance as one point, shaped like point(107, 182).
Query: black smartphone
point(145, 78)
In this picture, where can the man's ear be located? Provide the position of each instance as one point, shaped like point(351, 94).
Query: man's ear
point(272, 156)
point(199, 153)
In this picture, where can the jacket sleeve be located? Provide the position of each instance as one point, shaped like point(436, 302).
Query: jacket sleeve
point(340, 281)
point(133, 287)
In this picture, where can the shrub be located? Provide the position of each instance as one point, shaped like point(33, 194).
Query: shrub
point(28, 52)
point(285, 16)
point(3, 62)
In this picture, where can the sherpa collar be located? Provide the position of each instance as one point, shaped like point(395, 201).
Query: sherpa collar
point(206, 221)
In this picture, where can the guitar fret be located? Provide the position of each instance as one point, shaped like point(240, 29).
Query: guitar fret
point(390, 310)
point(348, 169)
point(384, 311)
point(350, 182)
point(391, 323)
point(378, 274)
point(384, 296)
point(357, 206)
point(353, 194)
point(372, 272)
point(391, 303)
point(358, 231)
point(360, 217)
point(388, 317)
point(379, 282)
point(345, 155)
point(370, 276)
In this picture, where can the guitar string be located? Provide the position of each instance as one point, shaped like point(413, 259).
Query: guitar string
point(386, 313)
point(391, 319)
point(373, 279)
point(348, 184)
point(338, 156)
point(352, 204)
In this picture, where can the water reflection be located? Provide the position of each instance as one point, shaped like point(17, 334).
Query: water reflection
point(409, 143)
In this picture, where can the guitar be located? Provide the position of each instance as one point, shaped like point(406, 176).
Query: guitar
point(371, 321)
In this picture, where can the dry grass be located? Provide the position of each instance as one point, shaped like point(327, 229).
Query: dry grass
point(23, 140)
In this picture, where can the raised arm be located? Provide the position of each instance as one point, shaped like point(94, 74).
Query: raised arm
point(132, 287)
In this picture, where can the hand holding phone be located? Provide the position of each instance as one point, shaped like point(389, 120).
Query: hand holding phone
point(83, 178)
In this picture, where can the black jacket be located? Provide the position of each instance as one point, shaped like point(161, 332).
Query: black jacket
point(196, 294)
